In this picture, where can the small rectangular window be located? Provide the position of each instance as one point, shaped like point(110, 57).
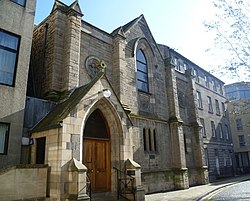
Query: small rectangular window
point(241, 140)
point(214, 85)
point(217, 107)
point(206, 81)
point(203, 129)
point(155, 144)
point(199, 100)
point(4, 137)
point(20, 2)
point(176, 63)
point(185, 66)
point(185, 143)
point(225, 155)
point(221, 89)
point(9, 45)
point(213, 129)
point(223, 109)
point(175, 60)
point(196, 76)
point(227, 132)
point(210, 106)
point(144, 140)
point(149, 140)
point(239, 125)
point(220, 131)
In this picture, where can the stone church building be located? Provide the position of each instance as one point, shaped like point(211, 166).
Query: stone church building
point(113, 108)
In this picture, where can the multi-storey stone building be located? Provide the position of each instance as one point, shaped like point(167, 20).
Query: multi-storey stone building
point(16, 28)
point(202, 104)
point(239, 112)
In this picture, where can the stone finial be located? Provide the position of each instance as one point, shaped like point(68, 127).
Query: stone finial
point(130, 164)
point(76, 166)
point(101, 65)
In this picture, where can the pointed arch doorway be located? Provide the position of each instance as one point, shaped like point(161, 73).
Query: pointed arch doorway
point(96, 151)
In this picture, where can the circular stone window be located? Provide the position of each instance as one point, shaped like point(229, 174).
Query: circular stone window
point(92, 66)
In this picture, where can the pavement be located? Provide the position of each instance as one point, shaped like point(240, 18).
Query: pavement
point(197, 193)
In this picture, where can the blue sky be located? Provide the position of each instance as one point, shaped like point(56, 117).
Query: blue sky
point(176, 23)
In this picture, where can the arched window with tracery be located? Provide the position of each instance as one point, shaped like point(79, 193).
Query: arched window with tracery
point(142, 71)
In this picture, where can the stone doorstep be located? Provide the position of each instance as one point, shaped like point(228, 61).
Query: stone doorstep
point(106, 196)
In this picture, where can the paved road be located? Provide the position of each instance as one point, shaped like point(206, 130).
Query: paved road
point(237, 192)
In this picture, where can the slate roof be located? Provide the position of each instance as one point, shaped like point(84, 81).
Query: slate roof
point(61, 111)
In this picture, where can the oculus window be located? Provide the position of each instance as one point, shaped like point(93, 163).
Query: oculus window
point(142, 71)
point(9, 45)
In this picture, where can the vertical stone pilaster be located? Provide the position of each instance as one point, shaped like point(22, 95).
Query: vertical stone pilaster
point(76, 183)
point(71, 58)
point(118, 64)
point(201, 168)
point(176, 130)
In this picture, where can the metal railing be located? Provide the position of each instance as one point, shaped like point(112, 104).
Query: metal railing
point(88, 187)
point(125, 185)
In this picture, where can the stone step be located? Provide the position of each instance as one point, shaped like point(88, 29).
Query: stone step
point(106, 197)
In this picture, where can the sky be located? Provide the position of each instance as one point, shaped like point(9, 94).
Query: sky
point(175, 23)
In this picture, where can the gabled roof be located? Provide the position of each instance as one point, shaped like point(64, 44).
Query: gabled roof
point(123, 29)
point(61, 111)
point(63, 7)
point(127, 26)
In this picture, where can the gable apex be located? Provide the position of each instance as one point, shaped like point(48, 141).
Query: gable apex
point(76, 7)
point(58, 5)
point(129, 25)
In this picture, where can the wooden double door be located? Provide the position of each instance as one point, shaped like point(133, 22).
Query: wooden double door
point(96, 156)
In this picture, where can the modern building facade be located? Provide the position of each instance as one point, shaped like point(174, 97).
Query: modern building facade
point(238, 90)
point(202, 104)
point(239, 112)
point(16, 28)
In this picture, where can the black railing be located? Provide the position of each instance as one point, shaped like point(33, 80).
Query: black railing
point(88, 187)
point(125, 185)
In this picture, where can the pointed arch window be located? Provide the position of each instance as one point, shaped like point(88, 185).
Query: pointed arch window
point(96, 126)
point(142, 71)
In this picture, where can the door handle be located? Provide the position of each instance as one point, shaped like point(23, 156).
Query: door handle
point(97, 171)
